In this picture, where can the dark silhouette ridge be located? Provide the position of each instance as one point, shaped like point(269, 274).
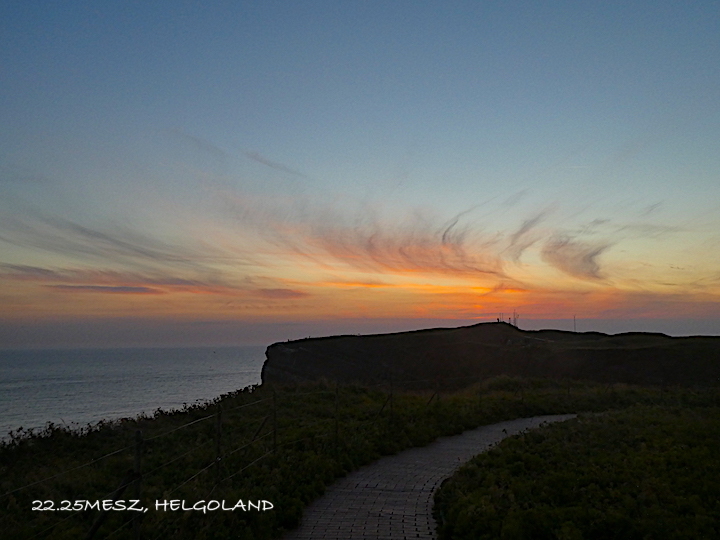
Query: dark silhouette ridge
point(451, 358)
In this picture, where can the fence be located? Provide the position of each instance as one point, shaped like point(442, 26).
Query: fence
point(207, 451)
point(222, 443)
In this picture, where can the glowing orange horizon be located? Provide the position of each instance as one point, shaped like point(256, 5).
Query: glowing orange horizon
point(341, 273)
point(312, 300)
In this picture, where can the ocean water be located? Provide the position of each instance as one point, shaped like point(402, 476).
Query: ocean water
point(83, 386)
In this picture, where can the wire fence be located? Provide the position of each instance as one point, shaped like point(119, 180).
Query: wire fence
point(227, 439)
point(230, 446)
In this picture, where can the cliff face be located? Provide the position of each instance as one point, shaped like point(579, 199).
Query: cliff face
point(455, 357)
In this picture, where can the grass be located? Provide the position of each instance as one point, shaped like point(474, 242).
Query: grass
point(284, 446)
point(645, 472)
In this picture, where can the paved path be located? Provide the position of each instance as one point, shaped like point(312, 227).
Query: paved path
point(393, 497)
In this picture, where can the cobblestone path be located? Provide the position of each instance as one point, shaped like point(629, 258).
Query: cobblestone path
point(392, 498)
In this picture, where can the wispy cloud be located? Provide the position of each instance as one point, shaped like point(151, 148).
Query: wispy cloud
point(198, 143)
point(417, 245)
point(283, 294)
point(100, 280)
point(354, 284)
point(110, 281)
point(86, 240)
point(98, 276)
point(577, 259)
point(27, 273)
point(649, 230)
point(105, 289)
point(302, 242)
point(114, 245)
point(521, 239)
point(272, 164)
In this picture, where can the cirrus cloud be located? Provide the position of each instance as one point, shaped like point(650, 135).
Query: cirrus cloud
point(577, 259)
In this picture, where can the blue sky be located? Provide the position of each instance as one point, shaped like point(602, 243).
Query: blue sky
point(385, 164)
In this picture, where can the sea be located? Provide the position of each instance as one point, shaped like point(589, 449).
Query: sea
point(77, 387)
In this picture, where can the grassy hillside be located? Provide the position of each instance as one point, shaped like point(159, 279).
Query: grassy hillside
point(283, 445)
point(644, 472)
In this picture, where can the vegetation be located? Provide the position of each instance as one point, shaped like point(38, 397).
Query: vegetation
point(647, 472)
point(283, 446)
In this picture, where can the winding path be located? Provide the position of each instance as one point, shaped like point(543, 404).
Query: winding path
point(392, 498)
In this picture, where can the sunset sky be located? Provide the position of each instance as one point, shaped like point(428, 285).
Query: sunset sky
point(180, 172)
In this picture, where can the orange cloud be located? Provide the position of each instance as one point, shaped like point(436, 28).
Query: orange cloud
point(281, 293)
point(117, 289)
point(308, 264)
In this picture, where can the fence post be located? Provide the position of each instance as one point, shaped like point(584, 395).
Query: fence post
point(274, 413)
point(218, 443)
point(138, 478)
point(337, 420)
point(392, 412)
point(129, 479)
point(387, 400)
point(430, 400)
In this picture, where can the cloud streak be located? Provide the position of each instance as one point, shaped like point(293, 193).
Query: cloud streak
point(97, 280)
point(282, 294)
point(105, 289)
point(198, 144)
point(118, 247)
point(110, 281)
point(272, 164)
point(521, 239)
point(307, 245)
point(577, 259)
point(417, 245)
point(75, 276)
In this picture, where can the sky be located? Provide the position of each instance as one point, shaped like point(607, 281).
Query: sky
point(189, 173)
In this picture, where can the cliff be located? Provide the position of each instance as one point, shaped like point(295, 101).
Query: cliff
point(450, 358)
